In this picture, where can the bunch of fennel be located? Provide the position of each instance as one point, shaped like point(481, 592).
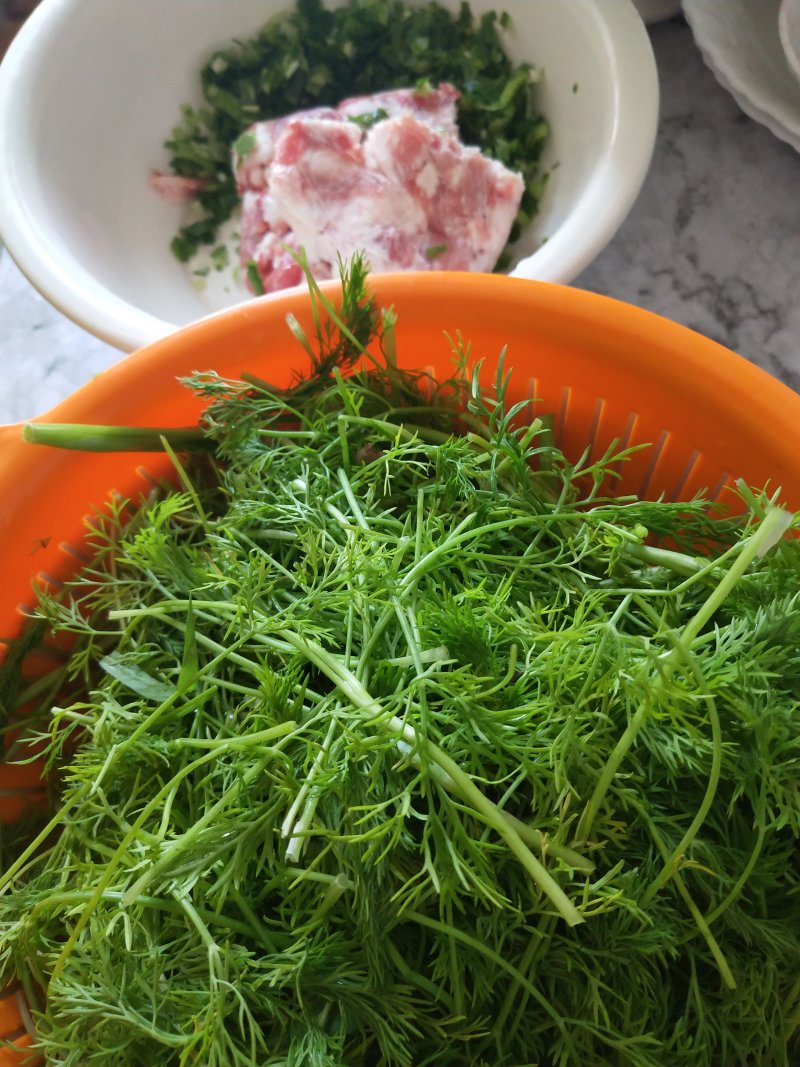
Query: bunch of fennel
point(388, 738)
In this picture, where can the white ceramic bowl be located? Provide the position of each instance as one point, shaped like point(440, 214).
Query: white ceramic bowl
point(789, 33)
point(740, 43)
point(90, 90)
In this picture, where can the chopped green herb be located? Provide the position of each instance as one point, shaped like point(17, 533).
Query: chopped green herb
point(312, 55)
point(434, 251)
point(254, 278)
point(220, 257)
point(369, 118)
point(243, 144)
point(389, 739)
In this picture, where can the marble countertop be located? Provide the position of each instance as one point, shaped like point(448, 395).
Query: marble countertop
point(713, 242)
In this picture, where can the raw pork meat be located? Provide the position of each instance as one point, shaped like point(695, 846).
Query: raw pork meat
point(404, 190)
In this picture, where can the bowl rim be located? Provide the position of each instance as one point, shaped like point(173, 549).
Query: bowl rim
point(789, 34)
point(609, 194)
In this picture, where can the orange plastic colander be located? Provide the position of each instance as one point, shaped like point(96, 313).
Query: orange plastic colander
point(604, 369)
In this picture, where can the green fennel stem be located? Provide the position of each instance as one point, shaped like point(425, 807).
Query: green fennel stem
point(352, 688)
point(774, 523)
point(697, 915)
point(86, 438)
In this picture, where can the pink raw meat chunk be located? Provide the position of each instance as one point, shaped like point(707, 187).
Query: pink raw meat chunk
point(405, 191)
point(469, 201)
point(251, 168)
point(175, 189)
